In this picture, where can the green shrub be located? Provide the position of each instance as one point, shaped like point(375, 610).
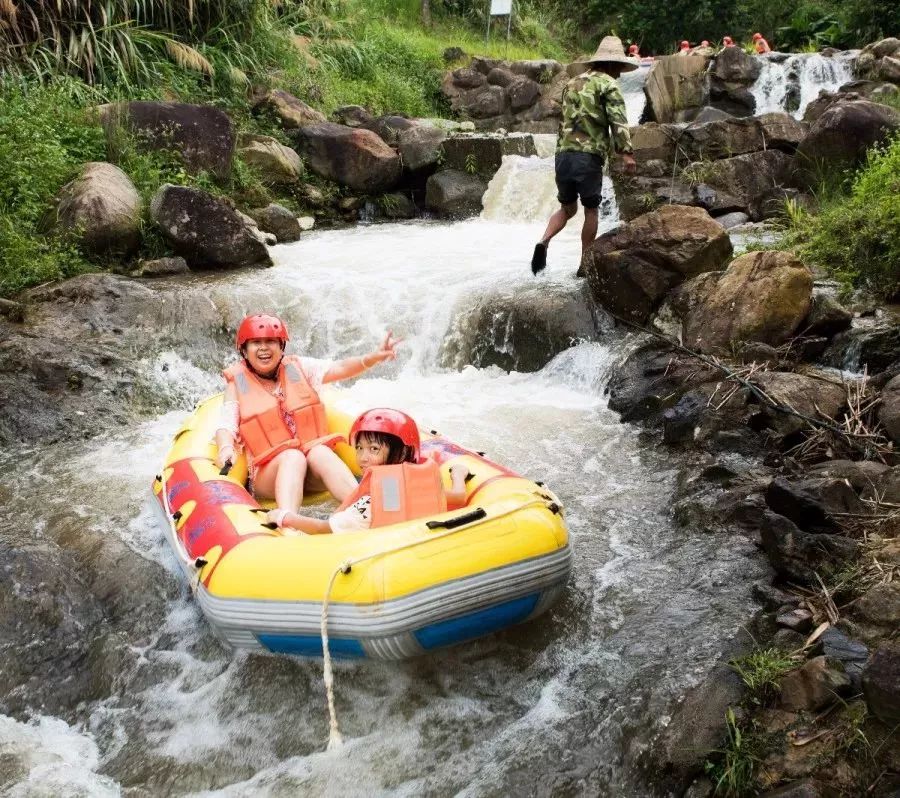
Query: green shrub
point(856, 238)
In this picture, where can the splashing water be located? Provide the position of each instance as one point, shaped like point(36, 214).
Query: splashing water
point(790, 85)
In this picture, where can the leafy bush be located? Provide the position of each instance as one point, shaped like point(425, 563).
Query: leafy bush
point(857, 237)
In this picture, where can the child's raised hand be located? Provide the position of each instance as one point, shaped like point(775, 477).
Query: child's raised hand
point(388, 348)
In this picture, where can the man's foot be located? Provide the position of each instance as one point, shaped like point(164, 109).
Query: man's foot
point(539, 259)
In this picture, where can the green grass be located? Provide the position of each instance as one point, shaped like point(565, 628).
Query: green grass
point(761, 671)
point(732, 768)
point(855, 236)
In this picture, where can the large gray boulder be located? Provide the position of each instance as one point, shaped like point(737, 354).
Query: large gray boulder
point(762, 296)
point(482, 153)
point(454, 194)
point(273, 162)
point(290, 111)
point(277, 220)
point(676, 84)
point(737, 136)
point(101, 208)
point(420, 148)
point(844, 132)
point(202, 135)
point(206, 231)
point(353, 157)
point(630, 269)
point(733, 65)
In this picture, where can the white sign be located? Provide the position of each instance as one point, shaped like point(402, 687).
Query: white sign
point(501, 8)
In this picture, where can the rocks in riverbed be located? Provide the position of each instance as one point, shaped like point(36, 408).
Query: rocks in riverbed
point(797, 555)
point(818, 397)
point(815, 685)
point(813, 503)
point(881, 683)
point(454, 194)
point(274, 163)
point(277, 220)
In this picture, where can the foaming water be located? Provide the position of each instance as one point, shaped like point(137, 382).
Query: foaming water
point(555, 706)
point(790, 85)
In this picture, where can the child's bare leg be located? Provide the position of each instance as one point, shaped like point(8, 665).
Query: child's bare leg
point(334, 473)
point(282, 479)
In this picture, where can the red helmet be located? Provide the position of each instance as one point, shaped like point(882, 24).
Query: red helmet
point(757, 36)
point(685, 45)
point(392, 422)
point(261, 326)
point(727, 40)
point(704, 43)
point(633, 48)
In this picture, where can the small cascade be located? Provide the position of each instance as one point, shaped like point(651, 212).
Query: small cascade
point(632, 86)
point(791, 84)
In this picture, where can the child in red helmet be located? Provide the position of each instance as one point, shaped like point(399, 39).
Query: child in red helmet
point(273, 410)
point(396, 485)
point(684, 48)
point(727, 41)
point(762, 46)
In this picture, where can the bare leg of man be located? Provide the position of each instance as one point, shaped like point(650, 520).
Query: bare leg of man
point(282, 479)
point(589, 230)
point(332, 471)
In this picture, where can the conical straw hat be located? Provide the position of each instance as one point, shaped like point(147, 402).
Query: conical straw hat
point(611, 51)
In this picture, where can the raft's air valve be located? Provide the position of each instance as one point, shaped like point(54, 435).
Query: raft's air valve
point(199, 563)
point(176, 516)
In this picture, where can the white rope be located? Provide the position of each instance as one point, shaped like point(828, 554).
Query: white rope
point(335, 740)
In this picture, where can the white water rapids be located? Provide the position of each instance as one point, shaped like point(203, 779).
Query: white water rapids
point(791, 84)
point(563, 705)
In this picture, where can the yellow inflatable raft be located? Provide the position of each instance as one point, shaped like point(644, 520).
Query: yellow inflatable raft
point(392, 592)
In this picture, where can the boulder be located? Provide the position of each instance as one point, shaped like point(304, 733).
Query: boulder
point(820, 399)
point(733, 219)
point(748, 178)
point(482, 103)
point(352, 157)
point(521, 329)
point(389, 127)
point(500, 77)
point(762, 296)
point(860, 475)
point(630, 269)
point(467, 78)
point(812, 504)
point(273, 162)
point(541, 70)
point(206, 231)
point(203, 136)
point(880, 606)
point(675, 83)
point(482, 153)
point(815, 685)
point(101, 209)
point(733, 65)
point(420, 148)
point(881, 683)
point(889, 412)
point(397, 206)
point(290, 111)
point(844, 132)
point(733, 136)
point(826, 317)
point(13, 311)
point(796, 555)
point(835, 644)
point(523, 93)
point(889, 69)
point(277, 220)
point(454, 194)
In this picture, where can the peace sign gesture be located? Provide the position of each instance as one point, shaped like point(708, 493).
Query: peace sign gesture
point(387, 351)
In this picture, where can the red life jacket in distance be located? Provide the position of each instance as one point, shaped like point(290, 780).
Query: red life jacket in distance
point(401, 492)
point(262, 428)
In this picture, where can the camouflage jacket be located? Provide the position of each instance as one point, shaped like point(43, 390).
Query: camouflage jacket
point(593, 116)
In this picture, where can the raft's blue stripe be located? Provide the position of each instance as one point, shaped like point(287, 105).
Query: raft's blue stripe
point(475, 624)
point(311, 645)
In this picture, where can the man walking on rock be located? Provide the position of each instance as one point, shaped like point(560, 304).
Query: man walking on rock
point(594, 124)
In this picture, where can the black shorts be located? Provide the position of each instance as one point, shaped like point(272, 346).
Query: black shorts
point(579, 174)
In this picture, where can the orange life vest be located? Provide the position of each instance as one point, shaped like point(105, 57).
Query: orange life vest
point(401, 492)
point(762, 46)
point(263, 430)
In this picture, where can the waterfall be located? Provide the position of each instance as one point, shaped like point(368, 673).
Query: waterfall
point(791, 84)
point(632, 85)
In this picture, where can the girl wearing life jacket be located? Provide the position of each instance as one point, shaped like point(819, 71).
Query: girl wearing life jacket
point(272, 408)
point(396, 485)
point(762, 46)
point(727, 41)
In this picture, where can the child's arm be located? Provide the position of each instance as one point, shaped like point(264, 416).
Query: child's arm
point(311, 526)
point(226, 434)
point(457, 493)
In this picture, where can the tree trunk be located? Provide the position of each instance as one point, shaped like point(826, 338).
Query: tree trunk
point(426, 13)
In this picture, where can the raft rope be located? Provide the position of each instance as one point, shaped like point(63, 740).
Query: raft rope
point(335, 740)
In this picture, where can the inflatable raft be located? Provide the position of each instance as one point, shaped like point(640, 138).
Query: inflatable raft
point(391, 592)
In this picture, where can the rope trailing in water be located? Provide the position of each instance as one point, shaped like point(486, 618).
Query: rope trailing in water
point(335, 740)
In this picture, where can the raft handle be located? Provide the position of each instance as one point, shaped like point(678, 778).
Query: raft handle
point(460, 520)
point(176, 516)
point(199, 563)
point(223, 471)
point(469, 477)
point(539, 483)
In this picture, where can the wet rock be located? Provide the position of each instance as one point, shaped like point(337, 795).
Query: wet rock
point(772, 598)
point(630, 269)
point(162, 267)
point(274, 163)
point(523, 93)
point(732, 64)
point(290, 111)
point(202, 135)
point(521, 330)
point(397, 206)
point(352, 157)
point(679, 422)
point(871, 343)
point(812, 503)
point(881, 683)
point(454, 194)
point(797, 555)
point(815, 685)
point(795, 619)
point(729, 220)
point(826, 317)
point(889, 412)
point(100, 209)
point(277, 220)
point(205, 230)
point(818, 398)
point(762, 296)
